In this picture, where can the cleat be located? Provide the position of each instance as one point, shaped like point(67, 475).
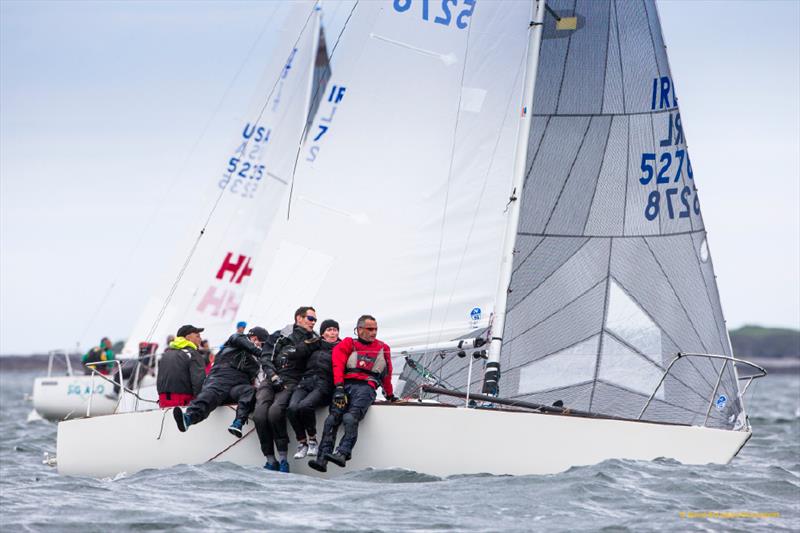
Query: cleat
point(318, 464)
point(302, 451)
point(182, 420)
point(271, 466)
point(235, 428)
point(336, 458)
point(313, 448)
point(284, 466)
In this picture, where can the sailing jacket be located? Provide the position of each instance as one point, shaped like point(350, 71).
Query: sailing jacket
point(182, 369)
point(320, 365)
point(370, 362)
point(292, 353)
point(96, 355)
point(238, 353)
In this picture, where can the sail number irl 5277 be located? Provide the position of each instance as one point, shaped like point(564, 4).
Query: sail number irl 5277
point(445, 13)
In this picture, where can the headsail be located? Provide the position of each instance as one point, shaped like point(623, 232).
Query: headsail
point(399, 192)
point(612, 274)
point(244, 192)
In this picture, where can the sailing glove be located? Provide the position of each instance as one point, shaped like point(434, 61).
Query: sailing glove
point(277, 383)
point(392, 398)
point(340, 398)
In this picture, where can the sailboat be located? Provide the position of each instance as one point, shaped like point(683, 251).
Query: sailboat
point(506, 186)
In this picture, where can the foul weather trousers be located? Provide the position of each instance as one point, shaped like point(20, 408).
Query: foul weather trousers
point(270, 417)
point(312, 392)
point(223, 385)
point(360, 396)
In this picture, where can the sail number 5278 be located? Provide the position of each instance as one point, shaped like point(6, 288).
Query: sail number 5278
point(445, 15)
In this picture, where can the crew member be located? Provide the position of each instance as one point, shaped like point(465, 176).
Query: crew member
point(181, 370)
point(99, 354)
point(289, 359)
point(359, 366)
point(314, 390)
point(230, 381)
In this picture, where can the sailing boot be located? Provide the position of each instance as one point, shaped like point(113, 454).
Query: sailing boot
point(320, 464)
point(283, 466)
point(338, 458)
point(235, 428)
point(182, 420)
point(272, 466)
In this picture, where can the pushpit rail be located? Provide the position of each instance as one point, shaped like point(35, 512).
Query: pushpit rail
point(760, 373)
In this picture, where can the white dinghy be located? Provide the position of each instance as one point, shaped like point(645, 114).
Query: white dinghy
point(559, 227)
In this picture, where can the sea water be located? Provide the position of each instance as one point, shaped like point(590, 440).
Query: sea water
point(759, 489)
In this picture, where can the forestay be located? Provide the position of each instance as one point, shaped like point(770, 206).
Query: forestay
point(400, 189)
point(244, 191)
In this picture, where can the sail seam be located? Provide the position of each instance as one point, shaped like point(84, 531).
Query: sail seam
point(536, 152)
point(621, 66)
point(638, 352)
point(584, 293)
point(625, 114)
point(602, 321)
point(569, 174)
point(677, 297)
point(605, 67)
point(627, 175)
point(564, 65)
point(655, 182)
point(510, 308)
point(676, 406)
point(652, 38)
point(597, 179)
point(561, 235)
point(521, 263)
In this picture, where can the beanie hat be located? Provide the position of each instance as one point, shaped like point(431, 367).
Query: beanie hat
point(328, 323)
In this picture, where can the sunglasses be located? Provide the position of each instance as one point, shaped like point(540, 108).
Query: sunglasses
point(311, 318)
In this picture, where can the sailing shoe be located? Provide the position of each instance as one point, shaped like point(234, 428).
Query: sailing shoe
point(181, 419)
point(312, 448)
point(320, 464)
point(235, 428)
point(337, 458)
point(271, 466)
point(284, 466)
point(302, 450)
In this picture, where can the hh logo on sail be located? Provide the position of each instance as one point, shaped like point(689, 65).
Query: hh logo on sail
point(225, 301)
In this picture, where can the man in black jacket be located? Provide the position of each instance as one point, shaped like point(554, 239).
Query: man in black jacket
point(289, 359)
point(181, 369)
point(230, 380)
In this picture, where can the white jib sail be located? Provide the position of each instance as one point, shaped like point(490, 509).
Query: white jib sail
point(244, 193)
point(400, 190)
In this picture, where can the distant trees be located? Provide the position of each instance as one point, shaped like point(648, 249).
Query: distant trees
point(756, 341)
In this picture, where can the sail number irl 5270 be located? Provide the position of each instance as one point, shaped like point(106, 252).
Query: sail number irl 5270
point(672, 166)
point(445, 13)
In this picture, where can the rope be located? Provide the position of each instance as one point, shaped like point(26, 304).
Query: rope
point(234, 443)
point(161, 430)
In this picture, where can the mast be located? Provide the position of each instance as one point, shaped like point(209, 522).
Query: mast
point(492, 375)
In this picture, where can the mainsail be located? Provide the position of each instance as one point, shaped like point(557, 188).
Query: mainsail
point(612, 274)
point(244, 192)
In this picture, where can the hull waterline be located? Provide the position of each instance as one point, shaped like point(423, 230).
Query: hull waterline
point(431, 439)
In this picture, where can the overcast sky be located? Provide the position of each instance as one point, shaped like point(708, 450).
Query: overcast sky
point(106, 107)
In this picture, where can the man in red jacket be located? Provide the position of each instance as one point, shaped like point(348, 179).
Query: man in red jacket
point(359, 367)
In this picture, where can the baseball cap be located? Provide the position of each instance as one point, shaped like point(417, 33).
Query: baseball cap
point(188, 330)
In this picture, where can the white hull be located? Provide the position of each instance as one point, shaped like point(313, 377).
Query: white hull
point(67, 397)
point(431, 439)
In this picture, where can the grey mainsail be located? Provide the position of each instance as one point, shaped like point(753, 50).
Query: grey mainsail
point(612, 275)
